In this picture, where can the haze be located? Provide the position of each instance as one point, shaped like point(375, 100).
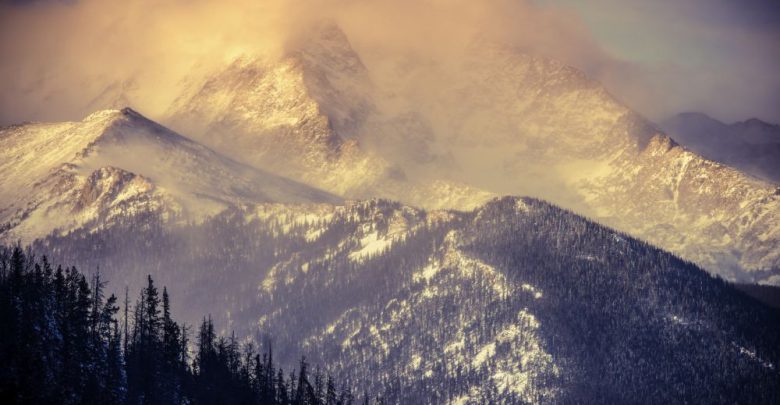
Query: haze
point(63, 60)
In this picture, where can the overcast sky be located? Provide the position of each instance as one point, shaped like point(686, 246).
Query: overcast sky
point(716, 56)
point(660, 57)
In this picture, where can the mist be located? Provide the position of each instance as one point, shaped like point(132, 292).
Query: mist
point(63, 60)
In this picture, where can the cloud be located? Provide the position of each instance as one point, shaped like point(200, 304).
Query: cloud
point(715, 56)
point(57, 57)
point(61, 59)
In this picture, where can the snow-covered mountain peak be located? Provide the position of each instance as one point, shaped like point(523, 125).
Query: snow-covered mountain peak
point(118, 162)
point(307, 117)
point(112, 116)
point(319, 82)
point(125, 125)
point(448, 134)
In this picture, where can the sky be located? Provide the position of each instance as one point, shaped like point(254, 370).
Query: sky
point(715, 56)
point(58, 59)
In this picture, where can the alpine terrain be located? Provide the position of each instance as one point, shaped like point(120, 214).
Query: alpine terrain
point(489, 227)
point(508, 123)
point(752, 146)
point(116, 163)
point(516, 302)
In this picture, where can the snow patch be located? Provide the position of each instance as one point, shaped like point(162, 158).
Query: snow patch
point(371, 245)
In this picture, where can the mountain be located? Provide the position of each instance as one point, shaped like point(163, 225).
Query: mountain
point(305, 116)
point(550, 131)
point(516, 301)
point(497, 121)
point(752, 146)
point(115, 163)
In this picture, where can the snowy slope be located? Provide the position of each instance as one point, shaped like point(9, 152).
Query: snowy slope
point(60, 176)
point(516, 302)
point(498, 122)
point(311, 116)
point(752, 146)
point(585, 150)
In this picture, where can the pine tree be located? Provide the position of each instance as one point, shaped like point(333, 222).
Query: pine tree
point(282, 397)
point(66, 346)
point(330, 393)
point(346, 397)
point(271, 389)
point(116, 378)
point(80, 362)
point(319, 386)
point(301, 391)
point(127, 306)
point(171, 351)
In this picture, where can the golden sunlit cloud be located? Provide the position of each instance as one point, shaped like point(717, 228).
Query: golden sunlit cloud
point(62, 60)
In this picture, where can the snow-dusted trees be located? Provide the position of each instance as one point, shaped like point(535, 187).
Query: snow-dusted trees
point(60, 340)
point(61, 343)
point(518, 301)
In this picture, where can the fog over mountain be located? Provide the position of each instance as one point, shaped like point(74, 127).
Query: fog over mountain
point(499, 121)
point(435, 201)
point(505, 122)
point(752, 146)
point(63, 57)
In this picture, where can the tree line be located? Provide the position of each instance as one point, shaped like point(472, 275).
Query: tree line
point(65, 342)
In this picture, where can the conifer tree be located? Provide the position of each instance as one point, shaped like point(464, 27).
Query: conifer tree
point(64, 345)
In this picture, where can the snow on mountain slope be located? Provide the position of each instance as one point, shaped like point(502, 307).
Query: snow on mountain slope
point(587, 151)
point(707, 212)
point(516, 302)
point(443, 135)
point(752, 146)
point(306, 117)
point(60, 176)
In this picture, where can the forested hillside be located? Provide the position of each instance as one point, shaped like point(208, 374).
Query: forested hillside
point(64, 342)
point(517, 302)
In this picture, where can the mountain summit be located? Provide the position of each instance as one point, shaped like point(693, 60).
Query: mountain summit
point(496, 122)
point(309, 116)
point(117, 162)
point(434, 134)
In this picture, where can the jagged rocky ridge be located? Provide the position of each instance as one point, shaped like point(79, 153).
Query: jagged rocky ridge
point(752, 146)
point(505, 123)
point(517, 301)
point(304, 117)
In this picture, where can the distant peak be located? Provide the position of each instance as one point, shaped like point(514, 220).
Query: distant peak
point(325, 30)
point(323, 38)
point(694, 115)
point(701, 117)
point(757, 123)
